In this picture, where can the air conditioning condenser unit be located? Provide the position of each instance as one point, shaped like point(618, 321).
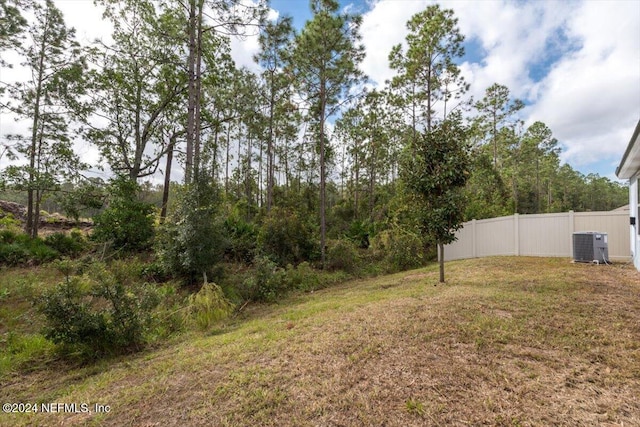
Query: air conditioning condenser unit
point(590, 246)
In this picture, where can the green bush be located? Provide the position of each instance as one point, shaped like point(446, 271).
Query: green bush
point(399, 250)
point(303, 277)
point(70, 245)
point(127, 222)
point(359, 232)
point(97, 314)
point(242, 240)
point(267, 284)
point(342, 255)
point(192, 243)
point(19, 249)
point(285, 238)
point(9, 223)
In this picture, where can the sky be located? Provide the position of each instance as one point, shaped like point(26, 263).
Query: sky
point(575, 64)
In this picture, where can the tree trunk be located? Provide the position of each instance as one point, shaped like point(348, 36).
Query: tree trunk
point(441, 260)
point(30, 221)
point(323, 226)
point(226, 169)
point(167, 182)
point(198, 92)
point(270, 157)
point(191, 104)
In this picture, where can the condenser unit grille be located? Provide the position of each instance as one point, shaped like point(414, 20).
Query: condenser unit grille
point(590, 246)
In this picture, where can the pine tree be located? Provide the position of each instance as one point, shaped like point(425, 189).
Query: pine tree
point(50, 101)
point(325, 61)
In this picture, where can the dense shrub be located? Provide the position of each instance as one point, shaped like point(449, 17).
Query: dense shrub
point(303, 277)
point(127, 222)
point(70, 245)
point(242, 237)
point(399, 250)
point(17, 248)
point(285, 238)
point(192, 243)
point(342, 255)
point(98, 314)
point(359, 232)
point(268, 282)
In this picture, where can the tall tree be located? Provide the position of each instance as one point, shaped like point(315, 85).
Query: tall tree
point(542, 150)
point(49, 99)
point(427, 73)
point(275, 39)
point(496, 110)
point(224, 17)
point(137, 89)
point(325, 63)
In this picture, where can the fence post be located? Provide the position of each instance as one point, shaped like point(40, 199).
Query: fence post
point(572, 228)
point(474, 250)
point(516, 225)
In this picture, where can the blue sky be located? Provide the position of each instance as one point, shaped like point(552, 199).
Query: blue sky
point(576, 64)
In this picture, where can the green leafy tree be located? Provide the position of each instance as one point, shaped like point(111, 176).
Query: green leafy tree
point(434, 171)
point(325, 63)
point(192, 242)
point(12, 26)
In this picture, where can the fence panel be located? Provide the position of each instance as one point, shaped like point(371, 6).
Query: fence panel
point(538, 235)
point(615, 224)
point(545, 235)
point(495, 236)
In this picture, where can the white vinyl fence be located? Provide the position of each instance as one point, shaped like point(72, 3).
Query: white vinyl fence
point(548, 235)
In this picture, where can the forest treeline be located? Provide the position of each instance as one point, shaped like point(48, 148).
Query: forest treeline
point(288, 162)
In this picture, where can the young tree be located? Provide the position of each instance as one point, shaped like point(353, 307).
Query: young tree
point(49, 99)
point(434, 171)
point(325, 63)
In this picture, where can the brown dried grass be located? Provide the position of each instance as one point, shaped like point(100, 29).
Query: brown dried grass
point(507, 342)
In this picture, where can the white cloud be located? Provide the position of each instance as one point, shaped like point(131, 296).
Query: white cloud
point(383, 27)
point(591, 98)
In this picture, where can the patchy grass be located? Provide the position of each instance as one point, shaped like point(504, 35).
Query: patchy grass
point(507, 341)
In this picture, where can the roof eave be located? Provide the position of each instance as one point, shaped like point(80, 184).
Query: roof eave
point(625, 169)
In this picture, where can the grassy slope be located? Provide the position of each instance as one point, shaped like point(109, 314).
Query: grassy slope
point(508, 341)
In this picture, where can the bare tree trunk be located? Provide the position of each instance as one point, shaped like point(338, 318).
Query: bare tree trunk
point(323, 225)
point(167, 181)
point(441, 260)
point(198, 93)
point(191, 105)
point(270, 157)
point(226, 170)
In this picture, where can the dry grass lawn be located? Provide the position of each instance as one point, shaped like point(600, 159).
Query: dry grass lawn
point(507, 342)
